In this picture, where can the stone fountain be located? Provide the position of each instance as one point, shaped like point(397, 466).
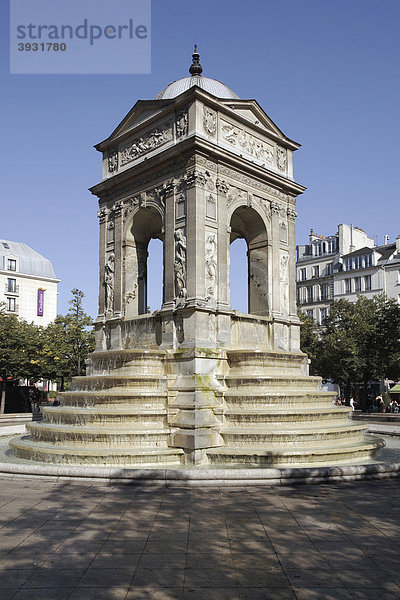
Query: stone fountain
point(195, 383)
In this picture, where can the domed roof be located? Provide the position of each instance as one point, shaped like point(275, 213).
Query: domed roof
point(212, 86)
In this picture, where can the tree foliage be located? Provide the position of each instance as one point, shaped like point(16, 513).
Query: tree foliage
point(358, 343)
point(56, 352)
point(20, 351)
point(68, 341)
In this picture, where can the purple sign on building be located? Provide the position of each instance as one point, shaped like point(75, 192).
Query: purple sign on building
point(40, 302)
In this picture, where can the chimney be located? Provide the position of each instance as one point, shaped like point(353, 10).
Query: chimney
point(398, 244)
point(386, 238)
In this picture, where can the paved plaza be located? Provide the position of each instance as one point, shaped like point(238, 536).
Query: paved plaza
point(83, 541)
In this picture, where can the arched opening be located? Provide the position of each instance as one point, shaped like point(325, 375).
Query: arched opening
point(146, 227)
point(155, 269)
point(238, 274)
point(247, 224)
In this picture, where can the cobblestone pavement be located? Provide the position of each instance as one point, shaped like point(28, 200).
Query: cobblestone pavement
point(86, 541)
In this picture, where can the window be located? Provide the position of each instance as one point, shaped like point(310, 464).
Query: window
point(310, 313)
point(11, 264)
point(329, 268)
point(303, 274)
point(316, 271)
point(357, 284)
point(11, 305)
point(11, 285)
point(309, 294)
point(324, 292)
point(323, 313)
point(347, 286)
point(367, 282)
point(5, 245)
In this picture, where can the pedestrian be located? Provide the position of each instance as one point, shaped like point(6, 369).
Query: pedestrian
point(351, 402)
point(34, 399)
point(380, 403)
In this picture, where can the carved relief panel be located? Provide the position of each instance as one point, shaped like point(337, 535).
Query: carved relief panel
point(109, 283)
point(180, 266)
point(284, 281)
point(211, 265)
point(209, 121)
point(181, 124)
point(149, 140)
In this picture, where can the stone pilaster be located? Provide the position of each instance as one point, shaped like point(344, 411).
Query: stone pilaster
point(118, 259)
point(102, 214)
point(275, 259)
point(291, 214)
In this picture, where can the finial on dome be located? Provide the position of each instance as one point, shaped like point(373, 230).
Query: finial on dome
point(195, 67)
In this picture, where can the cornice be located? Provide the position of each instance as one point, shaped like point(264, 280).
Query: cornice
point(184, 150)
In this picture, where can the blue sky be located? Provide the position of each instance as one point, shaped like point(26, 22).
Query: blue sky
point(326, 72)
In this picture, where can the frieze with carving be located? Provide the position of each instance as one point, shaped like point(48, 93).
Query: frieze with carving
point(208, 164)
point(108, 196)
point(149, 141)
point(247, 142)
point(209, 121)
point(258, 185)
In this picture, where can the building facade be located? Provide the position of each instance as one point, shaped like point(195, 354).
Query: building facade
point(342, 266)
point(28, 285)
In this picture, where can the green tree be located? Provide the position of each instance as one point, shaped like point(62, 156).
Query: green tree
point(359, 343)
point(68, 341)
point(20, 351)
point(309, 339)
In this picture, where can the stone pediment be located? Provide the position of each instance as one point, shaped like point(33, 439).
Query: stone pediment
point(143, 111)
point(254, 114)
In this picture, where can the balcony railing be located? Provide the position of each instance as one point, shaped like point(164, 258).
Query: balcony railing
point(11, 290)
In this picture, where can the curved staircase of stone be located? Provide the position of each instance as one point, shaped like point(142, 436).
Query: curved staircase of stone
point(269, 413)
point(117, 419)
point(275, 419)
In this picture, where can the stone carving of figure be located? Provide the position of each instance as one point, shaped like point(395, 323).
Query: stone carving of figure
point(210, 121)
point(181, 124)
point(109, 282)
point(281, 158)
point(211, 265)
point(180, 264)
point(284, 281)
